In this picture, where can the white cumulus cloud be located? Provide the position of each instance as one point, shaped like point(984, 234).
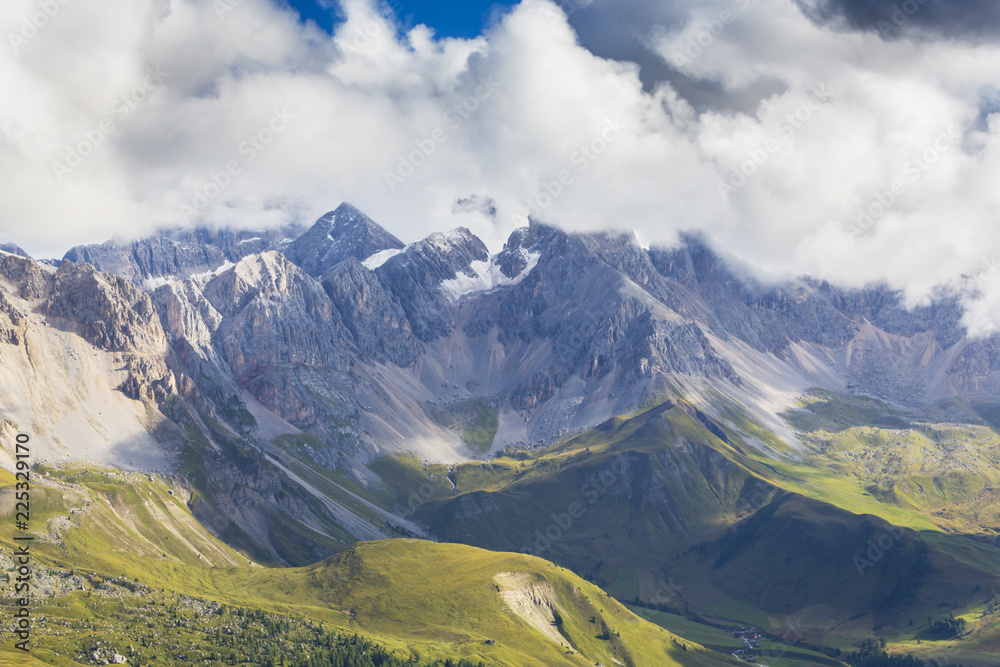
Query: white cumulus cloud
point(839, 154)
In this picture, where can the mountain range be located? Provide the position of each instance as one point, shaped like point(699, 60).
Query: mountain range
point(345, 333)
point(312, 388)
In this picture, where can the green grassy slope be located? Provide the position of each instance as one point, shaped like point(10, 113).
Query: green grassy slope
point(117, 559)
point(446, 597)
point(668, 509)
point(649, 483)
point(680, 512)
point(945, 473)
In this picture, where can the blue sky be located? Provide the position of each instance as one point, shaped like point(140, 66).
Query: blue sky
point(464, 18)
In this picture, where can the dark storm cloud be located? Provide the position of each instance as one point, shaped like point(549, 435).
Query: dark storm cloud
point(623, 30)
point(969, 20)
point(619, 29)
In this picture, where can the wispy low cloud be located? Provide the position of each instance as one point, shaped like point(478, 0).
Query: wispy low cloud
point(784, 134)
point(911, 173)
point(426, 147)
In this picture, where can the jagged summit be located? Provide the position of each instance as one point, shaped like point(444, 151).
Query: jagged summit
point(337, 236)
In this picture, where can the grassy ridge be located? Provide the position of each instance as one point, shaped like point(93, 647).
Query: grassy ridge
point(117, 558)
point(691, 516)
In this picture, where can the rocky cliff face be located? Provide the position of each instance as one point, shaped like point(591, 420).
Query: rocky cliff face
point(104, 309)
point(555, 333)
point(101, 371)
point(275, 315)
point(375, 317)
point(115, 316)
point(84, 361)
point(178, 254)
point(601, 304)
point(429, 274)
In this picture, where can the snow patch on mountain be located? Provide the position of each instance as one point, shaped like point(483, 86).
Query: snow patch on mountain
point(381, 257)
point(487, 276)
point(462, 283)
point(217, 272)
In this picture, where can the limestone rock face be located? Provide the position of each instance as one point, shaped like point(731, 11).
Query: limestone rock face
point(113, 315)
point(27, 282)
point(264, 328)
point(11, 318)
point(104, 309)
point(152, 258)
point(84, 362)
point(353, 346)
point(29, 279)
point(273, 315)
point(373, 315)
point(178, 254)
point(352, 337)
point(370, 345)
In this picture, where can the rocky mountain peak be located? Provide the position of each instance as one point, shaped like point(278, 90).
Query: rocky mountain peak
point(340, 234)
point(274, 315)
point(106, 310)
point(29, 279)
point(456, 240)
point(264, 275)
